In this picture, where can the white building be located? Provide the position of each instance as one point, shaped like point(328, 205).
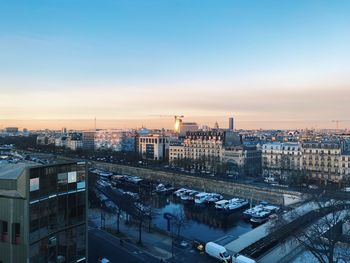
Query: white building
point(154, 146)
point(176, 152)
point(321, 161)
point(278, 159)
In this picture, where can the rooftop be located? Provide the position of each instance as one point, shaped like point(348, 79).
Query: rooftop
point(11, 171)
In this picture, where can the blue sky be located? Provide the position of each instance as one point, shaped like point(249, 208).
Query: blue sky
point(172, 49)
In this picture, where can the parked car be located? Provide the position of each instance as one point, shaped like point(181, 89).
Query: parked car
point(103, 260)
point(346, 189)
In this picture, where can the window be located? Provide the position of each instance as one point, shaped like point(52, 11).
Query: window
point(4, 231)
point(16, 233)
point(62, 178)
point(72, 177)
point(34, 184)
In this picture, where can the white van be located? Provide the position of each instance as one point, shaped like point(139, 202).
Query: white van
point(216, 251)
point(243, 259)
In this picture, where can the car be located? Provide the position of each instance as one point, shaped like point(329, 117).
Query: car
point(346, 189)
point(312, 186)
point(103, 260)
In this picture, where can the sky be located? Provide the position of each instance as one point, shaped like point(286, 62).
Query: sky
point(270, 64)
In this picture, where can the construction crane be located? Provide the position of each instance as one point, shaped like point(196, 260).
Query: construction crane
point(337, 123)
point(177, 119)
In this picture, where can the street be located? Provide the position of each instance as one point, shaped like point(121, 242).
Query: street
point(102, 244)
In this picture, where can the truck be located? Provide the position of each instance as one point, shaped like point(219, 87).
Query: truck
point(217, 251)
point(243, 259)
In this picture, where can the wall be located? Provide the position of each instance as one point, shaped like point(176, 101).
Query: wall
point(274, 196)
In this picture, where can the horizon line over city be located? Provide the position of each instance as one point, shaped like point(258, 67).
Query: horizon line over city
point(168, 123)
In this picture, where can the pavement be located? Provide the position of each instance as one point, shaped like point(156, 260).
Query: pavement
point(156, 246)
point(103, 244)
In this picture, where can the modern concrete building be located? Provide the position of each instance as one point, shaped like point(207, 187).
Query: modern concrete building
point(154, 147)
point(89, 140)
point(43, 213)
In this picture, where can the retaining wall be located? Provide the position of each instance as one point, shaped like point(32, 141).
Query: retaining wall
point(275, 196)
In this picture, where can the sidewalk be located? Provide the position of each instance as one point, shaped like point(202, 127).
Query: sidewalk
point(154, 243)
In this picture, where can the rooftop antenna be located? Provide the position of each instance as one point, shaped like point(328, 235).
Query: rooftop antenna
point(95, 123)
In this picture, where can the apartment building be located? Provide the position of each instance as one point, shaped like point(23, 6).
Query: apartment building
point(205, 148)
point(176, 151)
point(319, 160)
point(322, 160)
point(280, 159)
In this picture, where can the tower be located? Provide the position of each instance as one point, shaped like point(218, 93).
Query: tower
point(231, 123)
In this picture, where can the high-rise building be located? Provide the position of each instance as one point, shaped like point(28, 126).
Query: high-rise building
point(89, 140)
point(43, 213)
point(231, 123)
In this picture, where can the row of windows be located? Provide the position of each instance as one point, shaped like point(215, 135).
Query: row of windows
point(322, 151)
point(65, 246)
point(50, 215)
point(154, 140)
point(15, 232)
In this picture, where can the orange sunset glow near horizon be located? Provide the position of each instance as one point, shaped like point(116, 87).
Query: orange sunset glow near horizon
point(123, 63)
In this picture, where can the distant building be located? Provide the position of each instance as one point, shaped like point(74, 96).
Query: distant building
point(11, 130)
point(176, 152)
point(43, 213)
point(187, 127)
point(321, 160)
point(89, 140)
point(242, 160)
point(154, 146)
point(231, 124)
point(281, 159)
point(205, 147)
point(116, 140)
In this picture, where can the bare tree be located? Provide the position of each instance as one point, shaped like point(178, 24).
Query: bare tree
point(322, 236)
point(180, 220)
point(119, 213)
point(320, 230)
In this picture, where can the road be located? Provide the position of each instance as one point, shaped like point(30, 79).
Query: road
point(102, 244)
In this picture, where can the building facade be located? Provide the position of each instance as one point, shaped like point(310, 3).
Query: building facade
point(176, 152)
point(279, 160)
point(88, 140)
point(43, 213)
point(154, 147)
point(242, 160)
point(322, 160)
point(205, 148)
point(116, 140)
point(314, 160)
point(187, 127)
